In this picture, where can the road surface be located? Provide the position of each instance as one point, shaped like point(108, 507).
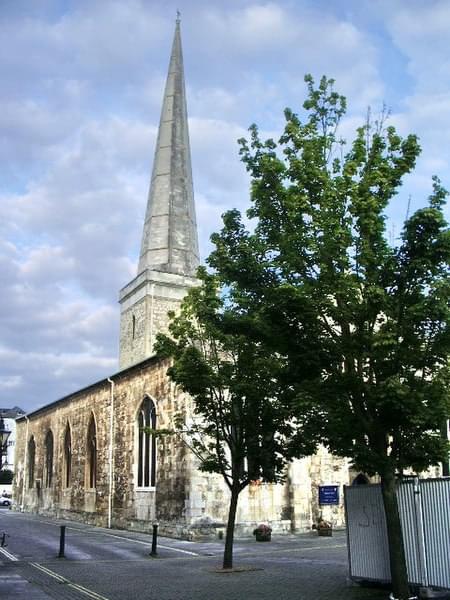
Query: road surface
point(115, 565)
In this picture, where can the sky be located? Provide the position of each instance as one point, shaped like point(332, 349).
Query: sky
point(82, 85)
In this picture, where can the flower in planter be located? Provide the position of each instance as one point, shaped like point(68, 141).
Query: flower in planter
point(262, 530)
point(324, 528)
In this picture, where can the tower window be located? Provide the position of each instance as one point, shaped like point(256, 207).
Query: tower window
point(133, 327)
point(146, 417)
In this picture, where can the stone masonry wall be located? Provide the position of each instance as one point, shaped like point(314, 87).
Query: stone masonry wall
point(146, 311)
point(145, 303)
point(292, 506)
point(133, 348)
point(185, 501)
point(131, 507)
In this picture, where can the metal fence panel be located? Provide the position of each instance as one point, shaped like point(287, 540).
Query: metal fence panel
point(436, 509)
point(407, 498)
point(366, 533)
point(424, 508)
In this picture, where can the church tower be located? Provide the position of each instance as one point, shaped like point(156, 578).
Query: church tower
point(169, 251)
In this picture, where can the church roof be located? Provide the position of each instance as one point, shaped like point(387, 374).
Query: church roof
point(115, 377)
point(169, 241)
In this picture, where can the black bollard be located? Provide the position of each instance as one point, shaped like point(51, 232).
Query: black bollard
point(3, 543)
point(62, 541)
point(154, 540)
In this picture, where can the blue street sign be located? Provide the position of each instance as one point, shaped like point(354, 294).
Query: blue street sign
point(328, 494)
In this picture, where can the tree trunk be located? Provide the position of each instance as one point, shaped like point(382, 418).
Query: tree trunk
point(229, 538)
point(446, 462)
point(399, 575)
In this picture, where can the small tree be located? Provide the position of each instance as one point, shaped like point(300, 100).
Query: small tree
point(241, 426)
point(324, 280)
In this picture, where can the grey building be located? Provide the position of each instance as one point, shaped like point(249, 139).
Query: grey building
point(9, 416)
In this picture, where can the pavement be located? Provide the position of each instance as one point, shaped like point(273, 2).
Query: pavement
point(115, 565)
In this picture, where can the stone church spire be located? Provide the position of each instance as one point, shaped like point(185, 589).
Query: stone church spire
point(169, 250)
point(169, 241)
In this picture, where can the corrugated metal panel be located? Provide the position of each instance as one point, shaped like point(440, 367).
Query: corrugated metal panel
point(367, 537)
point(436, 510)
point(407, 509)
point(424, 508)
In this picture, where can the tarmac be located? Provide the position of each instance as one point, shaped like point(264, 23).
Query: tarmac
point(104, 564)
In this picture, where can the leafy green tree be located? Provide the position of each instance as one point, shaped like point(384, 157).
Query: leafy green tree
point(242, 426)
point(6, 476)
point(363, 323)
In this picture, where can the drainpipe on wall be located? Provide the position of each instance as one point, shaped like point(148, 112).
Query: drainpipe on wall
point(25, 461)
point(111, 449)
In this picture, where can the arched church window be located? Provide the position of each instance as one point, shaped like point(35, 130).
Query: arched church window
point(31, 461)
point(48, 458)
point(146, 417)
point(67, 476)
point(360, 479)
point(92, 454)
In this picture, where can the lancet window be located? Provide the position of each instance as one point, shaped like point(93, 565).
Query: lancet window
point(31, 461)
point(146, 475)
point(67, 475)
point(48, 473)
point(92, 454)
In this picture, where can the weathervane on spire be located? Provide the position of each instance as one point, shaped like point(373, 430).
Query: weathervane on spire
point(178, 16)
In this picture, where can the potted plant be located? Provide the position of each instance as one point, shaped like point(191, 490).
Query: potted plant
point(263, 533)
point(324, 528)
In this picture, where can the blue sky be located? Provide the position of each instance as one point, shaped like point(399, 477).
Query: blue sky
point(82, 85)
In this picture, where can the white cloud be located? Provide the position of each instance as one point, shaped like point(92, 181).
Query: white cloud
point(12, 381)
point(45, 259)
point(420, 30)
point(252, 28)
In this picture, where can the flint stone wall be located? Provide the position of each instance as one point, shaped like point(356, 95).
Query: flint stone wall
point(145, 304)
point(186, 502)
point(131, 507)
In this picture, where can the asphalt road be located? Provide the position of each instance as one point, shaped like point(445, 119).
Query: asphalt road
point(115, 565)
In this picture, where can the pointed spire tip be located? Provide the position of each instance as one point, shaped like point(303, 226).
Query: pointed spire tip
point(170, 239)
point(178, 19)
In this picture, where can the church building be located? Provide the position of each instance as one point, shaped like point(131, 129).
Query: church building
point(86, 457)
